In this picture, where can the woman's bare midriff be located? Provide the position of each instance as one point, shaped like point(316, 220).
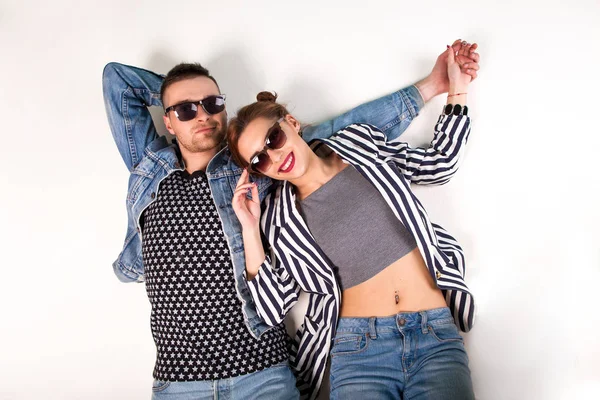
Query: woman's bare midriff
point(407, 278)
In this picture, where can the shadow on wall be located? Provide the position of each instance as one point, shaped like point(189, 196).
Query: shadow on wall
point(241, 82)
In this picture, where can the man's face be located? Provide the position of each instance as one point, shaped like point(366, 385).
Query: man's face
point(203, 133)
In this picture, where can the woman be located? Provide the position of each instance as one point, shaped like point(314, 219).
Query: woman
point(344, 224)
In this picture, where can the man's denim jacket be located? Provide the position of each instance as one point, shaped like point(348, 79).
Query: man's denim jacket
point(128, 91)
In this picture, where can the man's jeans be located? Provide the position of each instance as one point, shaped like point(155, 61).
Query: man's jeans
point(276, 382)
point(410, 356)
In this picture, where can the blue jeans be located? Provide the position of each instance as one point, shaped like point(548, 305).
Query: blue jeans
point(408, 356)
point(277, 383)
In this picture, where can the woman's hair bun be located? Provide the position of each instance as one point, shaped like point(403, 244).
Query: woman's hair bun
point(266, 96)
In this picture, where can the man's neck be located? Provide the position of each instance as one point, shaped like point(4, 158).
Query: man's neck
point(198, 161)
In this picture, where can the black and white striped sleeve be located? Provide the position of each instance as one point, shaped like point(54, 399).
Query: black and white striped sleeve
point(434, 165)
point(274, 291)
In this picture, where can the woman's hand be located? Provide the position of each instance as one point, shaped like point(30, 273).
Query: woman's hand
point(458, 77)
point(437, 81)
point(247, 209)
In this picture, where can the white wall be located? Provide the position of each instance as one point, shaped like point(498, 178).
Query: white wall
point(524, 204)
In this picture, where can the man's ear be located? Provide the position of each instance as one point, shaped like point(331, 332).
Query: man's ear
point(167, 122)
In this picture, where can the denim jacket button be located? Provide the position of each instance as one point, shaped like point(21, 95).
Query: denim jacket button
point(153, 195)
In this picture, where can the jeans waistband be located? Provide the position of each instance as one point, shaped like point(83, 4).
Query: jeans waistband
point(400, 321)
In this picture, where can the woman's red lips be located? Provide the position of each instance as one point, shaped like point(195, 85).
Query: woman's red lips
point(288, 164)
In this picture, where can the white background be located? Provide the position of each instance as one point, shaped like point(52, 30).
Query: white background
point(524, 205)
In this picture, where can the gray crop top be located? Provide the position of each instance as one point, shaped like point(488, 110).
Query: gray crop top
point(355, 227)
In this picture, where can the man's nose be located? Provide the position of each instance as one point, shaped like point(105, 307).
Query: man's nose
point(202, 115)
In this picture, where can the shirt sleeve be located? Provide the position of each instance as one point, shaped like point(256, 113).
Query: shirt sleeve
point(274, 291)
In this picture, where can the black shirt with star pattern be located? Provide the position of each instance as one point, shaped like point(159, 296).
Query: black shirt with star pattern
point(197, 321)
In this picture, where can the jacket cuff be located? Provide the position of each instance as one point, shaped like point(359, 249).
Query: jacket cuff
point(411, 96)
point(265, 272)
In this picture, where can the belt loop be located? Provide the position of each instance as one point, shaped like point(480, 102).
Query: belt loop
point(372, 330)
point(424, 327)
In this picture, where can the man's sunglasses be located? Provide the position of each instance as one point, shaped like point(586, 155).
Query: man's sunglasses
point(188, 110)
point(276, 138)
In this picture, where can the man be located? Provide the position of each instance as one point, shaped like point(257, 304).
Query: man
point(184, 240)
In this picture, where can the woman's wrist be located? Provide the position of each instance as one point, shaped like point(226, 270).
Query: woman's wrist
point(457, 94)
point(251, 232)
point(455, 88)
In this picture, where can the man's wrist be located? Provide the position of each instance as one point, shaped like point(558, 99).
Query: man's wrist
point(428, 88)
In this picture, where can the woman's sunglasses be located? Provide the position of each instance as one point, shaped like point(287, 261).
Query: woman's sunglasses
point(188, 110)
point(276, 138)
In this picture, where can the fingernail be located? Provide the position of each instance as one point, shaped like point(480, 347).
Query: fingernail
point(466, 65)
point(447, 46)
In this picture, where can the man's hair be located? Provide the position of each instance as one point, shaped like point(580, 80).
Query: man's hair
point(184, 71)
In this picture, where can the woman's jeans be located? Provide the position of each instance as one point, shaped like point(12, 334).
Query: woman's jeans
point(276, 382)
point(408, 356)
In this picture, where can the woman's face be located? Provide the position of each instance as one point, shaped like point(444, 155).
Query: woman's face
point(288, 162)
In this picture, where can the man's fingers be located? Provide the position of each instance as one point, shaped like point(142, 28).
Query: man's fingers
point(471, 65)
point(464, 50)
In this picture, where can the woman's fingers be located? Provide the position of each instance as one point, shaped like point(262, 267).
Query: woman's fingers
point(243, 188)
point(255, 197)
point(243, 179)
point(450, 56)
point(456, 45)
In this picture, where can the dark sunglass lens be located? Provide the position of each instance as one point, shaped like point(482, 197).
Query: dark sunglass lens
point(261, 162)
point(186, 111)
point(276, 138)
point(213, 104)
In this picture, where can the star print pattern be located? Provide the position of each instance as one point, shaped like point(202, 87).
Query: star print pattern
point(197, 321)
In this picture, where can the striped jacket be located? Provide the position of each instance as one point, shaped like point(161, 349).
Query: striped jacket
point(295, 261)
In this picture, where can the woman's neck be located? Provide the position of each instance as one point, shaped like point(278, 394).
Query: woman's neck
point(319, 172)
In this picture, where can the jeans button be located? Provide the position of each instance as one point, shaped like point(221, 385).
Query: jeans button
point(402, 322)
